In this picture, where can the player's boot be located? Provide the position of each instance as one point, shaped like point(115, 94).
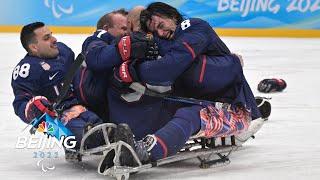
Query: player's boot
point(254, 127)
point(124, 133)
point(121, 133)
point(264, 107)
point(141, 148)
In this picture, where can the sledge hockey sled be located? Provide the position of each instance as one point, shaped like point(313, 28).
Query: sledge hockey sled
point(209, 152)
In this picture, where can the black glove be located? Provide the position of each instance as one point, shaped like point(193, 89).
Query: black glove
point(37, 106)
point(138, 45)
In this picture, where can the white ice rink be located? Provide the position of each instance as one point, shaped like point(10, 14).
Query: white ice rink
point(286, 148)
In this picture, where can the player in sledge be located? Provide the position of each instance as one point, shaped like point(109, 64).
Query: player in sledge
point(208, 119)
point(36, 83)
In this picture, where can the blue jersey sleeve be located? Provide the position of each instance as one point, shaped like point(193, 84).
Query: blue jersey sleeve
point(191, 39)
point(101, 54)
point(24, 85)
point(67, 54)
point(34, 76)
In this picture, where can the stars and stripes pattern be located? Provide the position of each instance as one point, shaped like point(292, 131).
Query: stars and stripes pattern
point(222, 122)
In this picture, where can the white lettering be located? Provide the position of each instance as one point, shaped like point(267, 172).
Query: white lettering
point(274, 9)
point(292, 6)
point(246, 10)
point(123, 71)
point(60, 142)
point(70, 140)
point(247, 6)
point(124, 47)
point(33, 143)
point(263, 5)
point(44, 142)
point(223, 5)
point(21, 143)
point(234, 5)
point(304, 8)
point(315, 6)
point(243, 3)
point(253, 5)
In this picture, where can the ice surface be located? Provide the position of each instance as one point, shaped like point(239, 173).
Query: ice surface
point(286, 148)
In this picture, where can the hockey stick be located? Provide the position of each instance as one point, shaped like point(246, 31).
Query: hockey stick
point(65, 87)
point(138, 87)
point(68, 79)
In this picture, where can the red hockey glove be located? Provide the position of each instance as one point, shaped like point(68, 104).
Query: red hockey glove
point(127, 73)
point(136, 46)
point(37, 106)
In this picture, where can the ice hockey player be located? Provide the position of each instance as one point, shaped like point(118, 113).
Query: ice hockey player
point(37, 78)
point(91, 84)
point(207, 120)
point(102, 55)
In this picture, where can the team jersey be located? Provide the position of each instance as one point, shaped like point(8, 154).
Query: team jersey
point(101, 54)
point(92, 81)
point(201, 66)
point(192, 38)
point(34, 76)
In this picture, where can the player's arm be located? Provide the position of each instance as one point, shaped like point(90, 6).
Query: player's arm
point(26, 104)
point(177, 59)
point(21, 98)
point(101, 56)
point(66, 53)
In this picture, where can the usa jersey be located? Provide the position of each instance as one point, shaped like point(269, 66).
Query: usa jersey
point(201, 66)
point(92, 81)
point(192, 38)
point(34, 76)
point(101, 54)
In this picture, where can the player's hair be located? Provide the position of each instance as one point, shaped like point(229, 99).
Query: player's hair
point(106, 20)
point(27, 35)
point(160, 9)
point(134, 17)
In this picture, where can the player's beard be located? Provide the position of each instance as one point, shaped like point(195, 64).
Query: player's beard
point(50, 54)
point(170, 34)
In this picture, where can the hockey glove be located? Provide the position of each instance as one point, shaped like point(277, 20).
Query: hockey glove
point(272, 85)
point(37, 106)
point(127, 73)
point(138, 45)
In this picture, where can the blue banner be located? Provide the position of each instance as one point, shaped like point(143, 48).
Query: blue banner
point(293, 14)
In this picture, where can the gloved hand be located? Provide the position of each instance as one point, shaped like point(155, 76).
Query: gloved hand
point(127, 73)
point(137, 45)
point(37, 106)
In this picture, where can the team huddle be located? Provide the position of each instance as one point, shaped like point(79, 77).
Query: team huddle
point(160, 77)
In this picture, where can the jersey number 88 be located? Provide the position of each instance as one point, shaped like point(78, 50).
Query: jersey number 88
point(22, 71)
